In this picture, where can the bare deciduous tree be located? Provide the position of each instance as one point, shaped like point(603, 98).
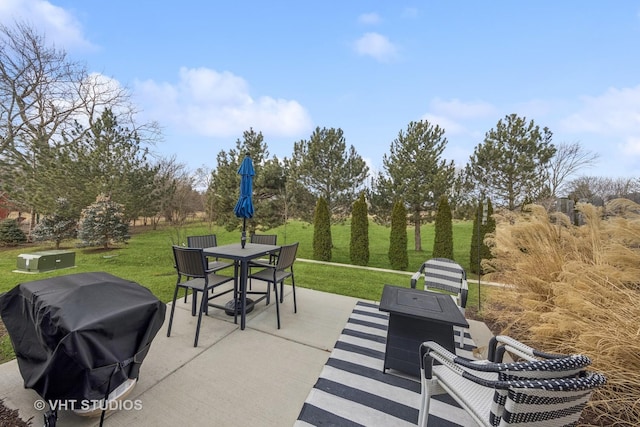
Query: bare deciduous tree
point(597, 189)
point(568, 159)
point(43, 95)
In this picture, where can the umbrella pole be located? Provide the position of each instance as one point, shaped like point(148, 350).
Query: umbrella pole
point(244, 232)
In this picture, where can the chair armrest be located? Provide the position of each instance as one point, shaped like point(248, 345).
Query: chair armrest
point(416, 275)
point(263, 264)
point(510, 345)
point(414, 280)
point(430, 351)
point(464, 293)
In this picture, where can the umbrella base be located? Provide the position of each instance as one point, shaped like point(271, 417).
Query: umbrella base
point(231, 308)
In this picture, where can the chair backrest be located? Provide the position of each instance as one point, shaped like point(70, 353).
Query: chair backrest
point(287, 256)
point(205, 241)
point(538, 390)
point(264, 239)
point(446, 275)
point(529, 402)
point(551, 392)
point(190, 262)
point(500, 345)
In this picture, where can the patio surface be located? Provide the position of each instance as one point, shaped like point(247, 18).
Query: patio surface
point(259, 376)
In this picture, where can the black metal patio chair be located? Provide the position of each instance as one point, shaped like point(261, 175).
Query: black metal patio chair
point(274, 274)
point(208, 241)
point(191, 264)
point(264, 239)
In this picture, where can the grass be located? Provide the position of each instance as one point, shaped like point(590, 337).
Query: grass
point(147, 259)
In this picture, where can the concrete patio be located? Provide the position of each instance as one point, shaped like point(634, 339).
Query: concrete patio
point(259, 376)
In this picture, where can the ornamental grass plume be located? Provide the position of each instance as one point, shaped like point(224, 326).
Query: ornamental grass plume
point(576, 289)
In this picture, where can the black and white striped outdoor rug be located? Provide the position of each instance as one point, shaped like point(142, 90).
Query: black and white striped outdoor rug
point(353, 391)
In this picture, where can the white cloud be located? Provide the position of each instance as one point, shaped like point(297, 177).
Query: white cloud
point(460, 118)
point(631, 146)
point(617, 111)
point(614, 115)
point(450, 126)
point(58, 26)
point(214, 104)
point(377, 46)
point(369, 18)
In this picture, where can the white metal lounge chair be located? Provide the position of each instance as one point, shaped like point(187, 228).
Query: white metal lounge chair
point(445, 275)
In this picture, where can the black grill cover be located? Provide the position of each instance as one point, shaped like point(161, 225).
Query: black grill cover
point(77, 335)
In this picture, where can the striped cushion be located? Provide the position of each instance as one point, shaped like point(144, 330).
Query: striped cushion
point(560, 401)
point(565, 367)
point(444, 274)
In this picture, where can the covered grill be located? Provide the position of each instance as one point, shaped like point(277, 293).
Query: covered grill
point(80, 336)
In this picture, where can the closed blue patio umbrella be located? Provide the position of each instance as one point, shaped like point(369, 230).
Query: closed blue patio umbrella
point(244, 207)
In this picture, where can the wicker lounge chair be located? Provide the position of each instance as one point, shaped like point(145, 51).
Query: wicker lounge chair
point(549, 392)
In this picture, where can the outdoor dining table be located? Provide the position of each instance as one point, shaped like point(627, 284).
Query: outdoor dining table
point(241, 257)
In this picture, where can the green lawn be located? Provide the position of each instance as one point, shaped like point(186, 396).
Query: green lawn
point(147, 259)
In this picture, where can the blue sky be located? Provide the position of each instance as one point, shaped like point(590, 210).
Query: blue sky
point(209, 70)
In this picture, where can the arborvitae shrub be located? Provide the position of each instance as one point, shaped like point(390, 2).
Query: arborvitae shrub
point(443, 240)
point(359, 245)
point(488, 227)
point(322, 232)
point(398, 256)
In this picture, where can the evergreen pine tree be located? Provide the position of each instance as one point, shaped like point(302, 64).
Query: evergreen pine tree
point(10, 233)
point(322, 231)
point(443, 240)
point(103, 222)
point(359, 245)
point(58, 226)
point(398, 256)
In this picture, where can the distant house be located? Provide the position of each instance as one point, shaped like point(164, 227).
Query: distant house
point(5, 206)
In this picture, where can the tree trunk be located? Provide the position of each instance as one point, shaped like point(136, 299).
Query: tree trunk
point(417, 235)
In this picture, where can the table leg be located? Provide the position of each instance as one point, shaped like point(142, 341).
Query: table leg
point(235, 293)
point(234, 307)
point(244, 270)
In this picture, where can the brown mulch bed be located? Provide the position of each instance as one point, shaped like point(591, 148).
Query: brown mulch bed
point(10, 418)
